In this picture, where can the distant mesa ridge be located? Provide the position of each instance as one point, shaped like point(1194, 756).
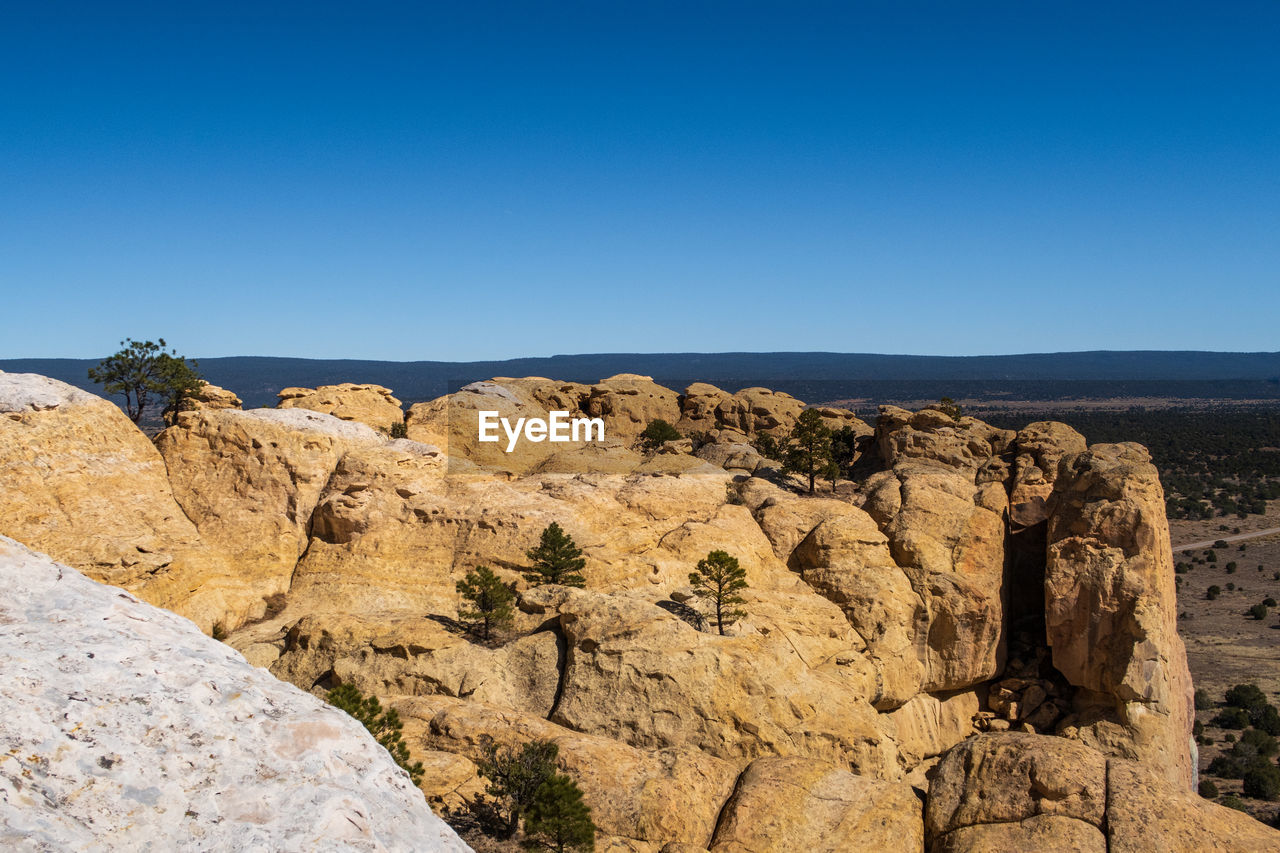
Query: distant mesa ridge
point(816, 376)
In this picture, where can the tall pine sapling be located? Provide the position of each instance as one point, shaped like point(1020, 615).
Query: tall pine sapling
point(808, 450)
point(556, 559)
point(490, 602)
point(558, 819)
point(717, 581)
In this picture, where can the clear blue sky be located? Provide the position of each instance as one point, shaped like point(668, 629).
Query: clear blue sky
point(469, 180)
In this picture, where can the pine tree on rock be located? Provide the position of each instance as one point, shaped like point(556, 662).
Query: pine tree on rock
point(490, 602)
point(558, 819)
point(556, 560)
point(808, 450)
point(515, 775)
point(718, 580)
point(143, 371)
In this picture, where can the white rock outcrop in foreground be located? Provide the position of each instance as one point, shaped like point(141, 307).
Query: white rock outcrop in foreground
point(125, 728)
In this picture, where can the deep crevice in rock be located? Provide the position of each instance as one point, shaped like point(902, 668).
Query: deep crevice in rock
point(1029, 692)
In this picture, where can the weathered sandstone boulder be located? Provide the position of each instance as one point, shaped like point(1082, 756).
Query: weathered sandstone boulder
point(82, 483)
point(1111, 606)
point(1030, 787)
point(126, 728)
point(371, 405)
point(639, 674)
point(1015, 792)
point(759, 410)
point(838, 419)
point(839, 552)
point(452, 423)
point(934, 435)
point(628, 402)
point(1040, 447)
point(250, 480)
point(732, 455)
point(785, 804)
point(707, 409)
point(698, 406)
point(1146, 814)
point(212, 397)
point(395, 654)
point(948, 535)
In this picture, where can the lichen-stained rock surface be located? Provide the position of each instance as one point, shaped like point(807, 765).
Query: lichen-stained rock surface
point(125, 728)
point(372, 405)
point(784, 804)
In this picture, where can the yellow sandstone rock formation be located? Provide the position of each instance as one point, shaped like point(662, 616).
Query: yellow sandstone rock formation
point(974, 579)
point(371, 405)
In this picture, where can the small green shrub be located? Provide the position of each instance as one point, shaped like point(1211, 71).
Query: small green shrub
point(1203, 700)
point(1258, 612)
point(657, 433)
point(1208, 790)
point(1231, 801)
point(1266, 719)
point(1213, 592)
point(1262, 782)
point(399, 429)
point(948, 407)
point(516, 774)
point(1245, 696)
point(1226, 767)
point(1231, 718)
point(1254, 742)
